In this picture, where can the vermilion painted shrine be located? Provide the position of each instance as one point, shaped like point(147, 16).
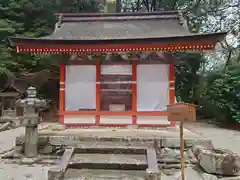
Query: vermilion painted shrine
point(120, 72)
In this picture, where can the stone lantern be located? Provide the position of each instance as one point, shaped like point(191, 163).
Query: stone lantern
point(31, 120)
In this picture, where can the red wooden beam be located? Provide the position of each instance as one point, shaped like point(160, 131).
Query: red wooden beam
point(99, 48)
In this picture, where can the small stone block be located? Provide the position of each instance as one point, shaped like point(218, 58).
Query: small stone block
point(152, 160)
point(19, 141)
point(29, 161)
point(48, 149)
point(170, 143)
point(218, 161)
point(57, 172)
point(55, 175)
point(153, 176)
point(5, 126)
point(58, 127)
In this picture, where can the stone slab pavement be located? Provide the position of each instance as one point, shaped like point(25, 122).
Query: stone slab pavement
point(7, 138)
point(14, 171)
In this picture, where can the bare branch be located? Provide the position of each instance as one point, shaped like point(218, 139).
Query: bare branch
point(133, 8)
point(195, 5)
point(228, 59)
point(146, 4)
point(224, 44)
point(138, 5)
point(153, 5)
point(174, 4)
point(211, 10)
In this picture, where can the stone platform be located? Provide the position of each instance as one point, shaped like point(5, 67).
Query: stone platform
point(164, 137)
point(131, 132)
point(115, 152)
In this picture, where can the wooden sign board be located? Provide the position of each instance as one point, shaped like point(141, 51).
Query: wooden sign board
point(181, 111)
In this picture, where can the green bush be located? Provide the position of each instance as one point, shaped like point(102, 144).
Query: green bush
point(221, 97)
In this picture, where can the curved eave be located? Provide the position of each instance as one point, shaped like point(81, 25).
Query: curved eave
point(198, 42)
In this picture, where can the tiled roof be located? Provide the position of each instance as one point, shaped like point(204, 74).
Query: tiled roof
point(119, 32)
point(13, 82)
point(119, 26)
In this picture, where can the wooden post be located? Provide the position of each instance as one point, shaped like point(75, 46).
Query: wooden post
point(182, 149)
point(182, 112)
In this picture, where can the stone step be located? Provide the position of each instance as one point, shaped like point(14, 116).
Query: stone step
point(108, 161)
point(89, 174)
point(108, 147)
point(69, 140)
point(86, 174)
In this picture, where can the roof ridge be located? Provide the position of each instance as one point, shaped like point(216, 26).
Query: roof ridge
point(17, 87)
point(131, 18)
point(90, 17)
point(117, 14)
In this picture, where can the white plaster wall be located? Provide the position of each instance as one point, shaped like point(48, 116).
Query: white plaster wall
point(79, 119)
point(80, 92)
point(116, 120)
point(152, 120)
point(152, 87)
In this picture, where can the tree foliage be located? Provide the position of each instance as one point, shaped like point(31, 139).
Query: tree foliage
point(34, 18)
point(220, 98)
point(197, 80)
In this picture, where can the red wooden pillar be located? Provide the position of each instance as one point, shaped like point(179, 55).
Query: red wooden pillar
point(171, 86)
point(98, 100)
point(134, 91)
point(62, 91)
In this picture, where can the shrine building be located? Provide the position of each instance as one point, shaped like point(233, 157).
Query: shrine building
point(121, 66)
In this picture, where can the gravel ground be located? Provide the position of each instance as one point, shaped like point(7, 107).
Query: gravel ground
point(14, 171)
point(7, 138)
point(221, 138)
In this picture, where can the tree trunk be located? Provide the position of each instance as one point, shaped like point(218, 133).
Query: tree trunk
point(118, 6)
